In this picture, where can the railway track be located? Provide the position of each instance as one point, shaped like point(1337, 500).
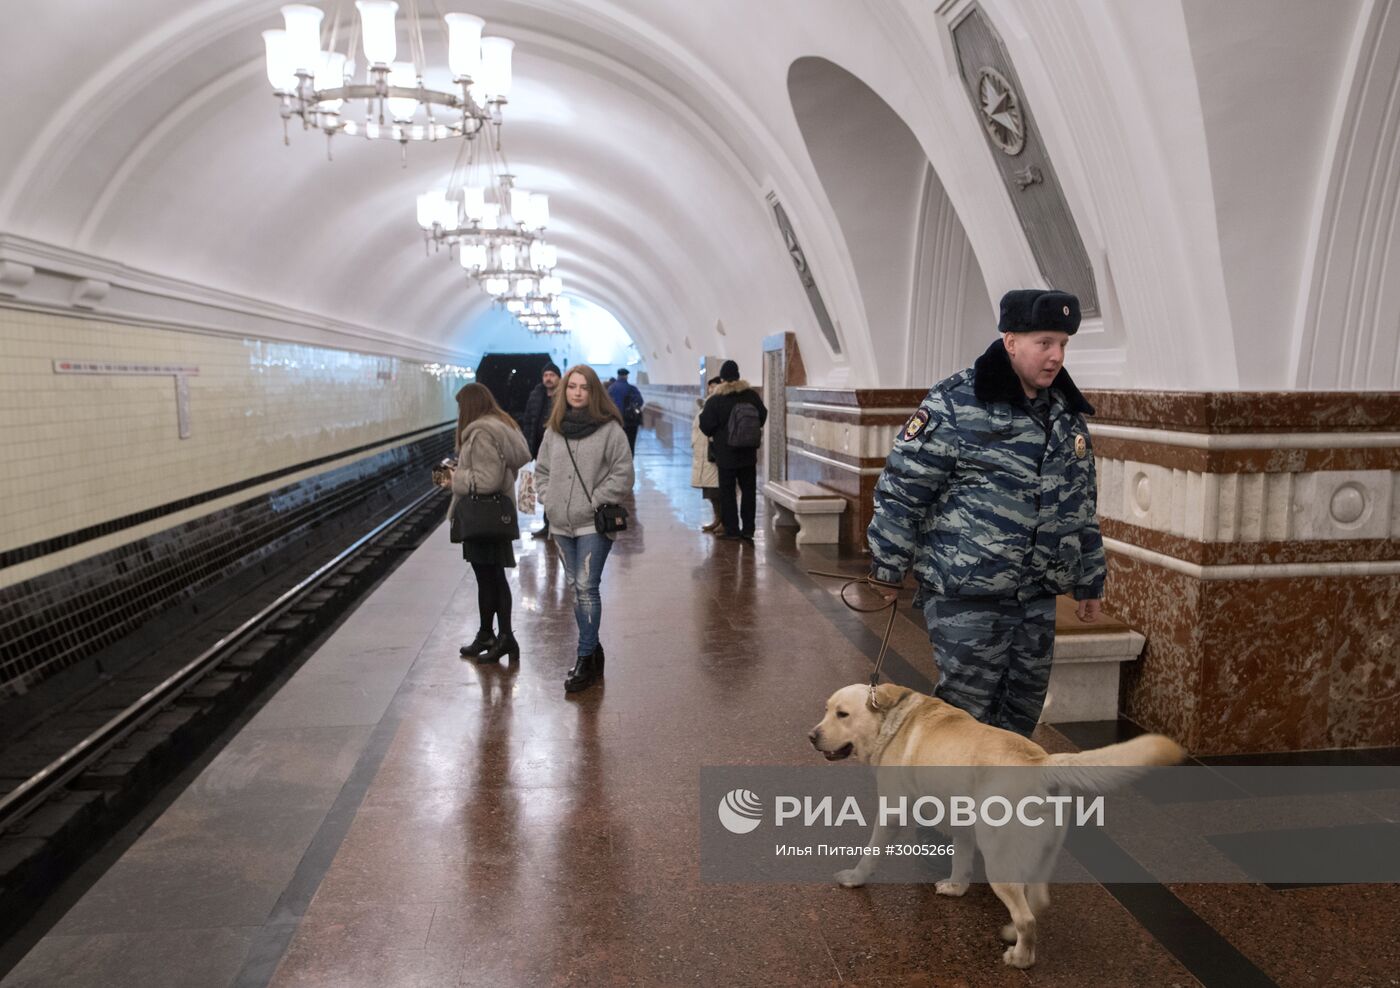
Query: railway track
point(52, 820)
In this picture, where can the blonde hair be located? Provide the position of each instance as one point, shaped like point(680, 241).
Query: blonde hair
point(600, 407)
point(476, 401)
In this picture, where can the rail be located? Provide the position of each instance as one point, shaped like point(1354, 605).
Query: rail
point(30, 794)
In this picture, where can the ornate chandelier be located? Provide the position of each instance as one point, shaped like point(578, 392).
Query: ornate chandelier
point(497, 230)
point(541, 316)
point(316, 84)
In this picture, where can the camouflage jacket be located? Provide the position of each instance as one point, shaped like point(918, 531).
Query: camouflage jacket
point(982, 500)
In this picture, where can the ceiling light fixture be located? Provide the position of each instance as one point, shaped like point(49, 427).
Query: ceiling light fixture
point(314, 83)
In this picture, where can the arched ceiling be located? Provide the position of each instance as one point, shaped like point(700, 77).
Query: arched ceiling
point(141, 138)
point(167, 156)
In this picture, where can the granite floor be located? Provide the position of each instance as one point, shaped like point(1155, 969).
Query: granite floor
point(397, 816)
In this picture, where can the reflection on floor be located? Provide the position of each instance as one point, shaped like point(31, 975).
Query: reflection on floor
point(397, 816)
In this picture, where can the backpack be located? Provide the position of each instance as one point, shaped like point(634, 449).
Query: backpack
point(745, 430)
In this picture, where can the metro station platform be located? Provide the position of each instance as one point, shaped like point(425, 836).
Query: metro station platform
point(397, 816)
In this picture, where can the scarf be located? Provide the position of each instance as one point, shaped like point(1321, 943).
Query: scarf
point(578, 424)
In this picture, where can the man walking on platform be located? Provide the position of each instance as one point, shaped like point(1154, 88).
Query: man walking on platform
point(629, 402)
point(989, 495)
point(537, 409)
point(733, 418)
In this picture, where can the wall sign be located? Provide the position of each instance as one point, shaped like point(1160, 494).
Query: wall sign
point(181, 372)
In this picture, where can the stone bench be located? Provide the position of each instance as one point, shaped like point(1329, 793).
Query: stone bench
point(1084, 678)
point(814, 511)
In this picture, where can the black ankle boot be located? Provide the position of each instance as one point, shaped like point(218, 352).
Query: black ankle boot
point(584, 674)
point(481, 643)
point(504, 645)
point(598, 657)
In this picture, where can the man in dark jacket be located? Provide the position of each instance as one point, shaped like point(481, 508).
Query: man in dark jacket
point(537, 409)
point(734, 439)
point(629, 402)
point(989, 496)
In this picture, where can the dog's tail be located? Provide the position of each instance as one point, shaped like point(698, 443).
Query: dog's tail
point(1117, 764)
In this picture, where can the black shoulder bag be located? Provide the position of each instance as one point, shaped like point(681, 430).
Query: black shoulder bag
point(483, 516)
point(607, 518)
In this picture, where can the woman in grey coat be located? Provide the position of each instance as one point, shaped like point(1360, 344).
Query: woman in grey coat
point(584, 462)
point(490, 449)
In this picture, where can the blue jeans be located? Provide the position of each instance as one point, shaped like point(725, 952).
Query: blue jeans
point(584, 556)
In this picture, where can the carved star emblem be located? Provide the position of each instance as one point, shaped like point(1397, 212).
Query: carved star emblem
point(1001, 111)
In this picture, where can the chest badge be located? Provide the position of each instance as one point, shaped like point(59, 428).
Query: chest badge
point(1081, 448)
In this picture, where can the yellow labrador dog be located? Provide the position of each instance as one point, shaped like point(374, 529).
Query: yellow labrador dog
point(898, 728)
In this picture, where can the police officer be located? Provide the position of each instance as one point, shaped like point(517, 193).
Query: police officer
point(989, 495)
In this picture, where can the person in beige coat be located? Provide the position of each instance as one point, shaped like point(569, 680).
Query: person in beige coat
point(704, 474)
point(490, 449)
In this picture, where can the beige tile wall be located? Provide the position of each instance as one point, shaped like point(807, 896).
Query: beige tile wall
point(78, 449)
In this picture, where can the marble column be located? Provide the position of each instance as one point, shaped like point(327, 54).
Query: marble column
point(1253, 538)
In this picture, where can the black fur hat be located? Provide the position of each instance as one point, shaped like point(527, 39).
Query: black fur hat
point(1027, 310)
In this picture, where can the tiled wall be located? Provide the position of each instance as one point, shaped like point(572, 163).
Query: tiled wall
point(108, 515)
point(80, 450)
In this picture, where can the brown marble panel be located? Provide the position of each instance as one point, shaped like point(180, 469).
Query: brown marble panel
point(1265, 666)
point(1159, 691)
point(1250, 553)
point(1364, 692)
point(1247, 460)
point(795, 370)
point(1249, 411)
point(1261, 665)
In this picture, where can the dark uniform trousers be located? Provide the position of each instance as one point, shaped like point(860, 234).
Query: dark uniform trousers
point(994, 657)
point(738, 520)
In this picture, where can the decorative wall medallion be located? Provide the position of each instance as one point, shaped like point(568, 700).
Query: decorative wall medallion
point(1001, 110)
point(1348, 504)
point(1142, 494)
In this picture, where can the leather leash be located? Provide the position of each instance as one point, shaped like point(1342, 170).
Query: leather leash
point(892, 606)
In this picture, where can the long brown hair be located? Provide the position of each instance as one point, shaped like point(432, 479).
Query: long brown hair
point(473, 402)
point(600, 407)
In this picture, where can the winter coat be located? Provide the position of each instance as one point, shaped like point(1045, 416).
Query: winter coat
point(488, 456)
point(703, 472)
point(604, 460)
point(983, 500)
point(537, 409)
point(714, 422)
point(624, 395)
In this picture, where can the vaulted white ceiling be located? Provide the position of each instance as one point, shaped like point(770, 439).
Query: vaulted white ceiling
point(142, 135)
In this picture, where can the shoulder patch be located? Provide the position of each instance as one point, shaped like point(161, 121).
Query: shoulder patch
point(915, 425)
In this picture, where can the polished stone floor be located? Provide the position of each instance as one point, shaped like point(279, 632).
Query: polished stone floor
point(397, 816)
